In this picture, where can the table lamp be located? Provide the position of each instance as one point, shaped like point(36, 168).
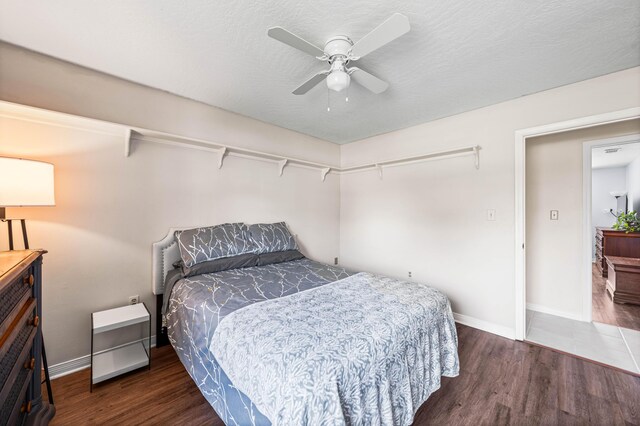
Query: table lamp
point(24, 183)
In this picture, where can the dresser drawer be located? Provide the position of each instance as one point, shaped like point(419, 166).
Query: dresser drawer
point(16, 346)
point(18, 358)
point(13, 297)
point(17, 405)
point(20, 339)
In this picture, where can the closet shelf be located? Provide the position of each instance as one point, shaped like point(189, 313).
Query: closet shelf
point(475, 150)
point(131, 134)
point(284, 161)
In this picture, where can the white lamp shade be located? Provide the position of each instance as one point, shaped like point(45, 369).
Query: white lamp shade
point(25, 183)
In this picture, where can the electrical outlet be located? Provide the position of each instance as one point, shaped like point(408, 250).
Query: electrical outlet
point(133, 300)
point(335, 260)
point(554, 215)
point(410, 274)
point(491, 214)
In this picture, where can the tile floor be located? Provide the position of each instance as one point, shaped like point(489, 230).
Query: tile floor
point(608, 344)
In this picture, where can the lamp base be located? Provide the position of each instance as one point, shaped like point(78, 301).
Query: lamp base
point(23, 223)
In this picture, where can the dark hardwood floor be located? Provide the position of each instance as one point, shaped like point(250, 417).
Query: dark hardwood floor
point(604, 310)
point(501, 382)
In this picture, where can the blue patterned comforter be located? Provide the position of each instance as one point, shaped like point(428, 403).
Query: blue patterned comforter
point(362, 350)
point(198, 304)
point(366, 350)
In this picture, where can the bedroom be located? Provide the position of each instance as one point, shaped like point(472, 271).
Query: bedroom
point(158, 116)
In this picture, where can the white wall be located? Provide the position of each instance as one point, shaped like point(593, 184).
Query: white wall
point(32, 79)
point(109, 209)
point(430, 218)
point(603, 182)
point(633, 185)
point(554, 264)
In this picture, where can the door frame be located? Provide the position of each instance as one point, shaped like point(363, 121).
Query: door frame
point(521, 137)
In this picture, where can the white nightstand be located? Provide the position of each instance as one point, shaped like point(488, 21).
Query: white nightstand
point(124, 357)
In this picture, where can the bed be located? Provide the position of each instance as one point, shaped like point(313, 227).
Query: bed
point(272, 337)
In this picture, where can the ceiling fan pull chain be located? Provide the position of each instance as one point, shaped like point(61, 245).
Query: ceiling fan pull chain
point(346, 99)
point(328, 100)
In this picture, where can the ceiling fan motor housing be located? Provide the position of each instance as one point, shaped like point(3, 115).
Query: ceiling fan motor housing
point(338, 45)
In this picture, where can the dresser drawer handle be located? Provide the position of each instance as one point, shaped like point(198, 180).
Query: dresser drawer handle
point(35, 321)
point(26, 407)
point(30, 365)
point(29, 280)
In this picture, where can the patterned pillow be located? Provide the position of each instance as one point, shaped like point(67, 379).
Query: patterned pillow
point(272, 237)
point(213, 242)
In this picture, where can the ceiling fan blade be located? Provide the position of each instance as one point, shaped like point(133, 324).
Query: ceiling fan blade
point(384, 33)
point(368, 81)
point(311, 83)
point(293, 40)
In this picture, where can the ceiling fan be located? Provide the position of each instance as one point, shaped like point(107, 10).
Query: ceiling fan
point(339, 51)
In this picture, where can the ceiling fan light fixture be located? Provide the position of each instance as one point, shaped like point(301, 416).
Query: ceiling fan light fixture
point(339, 51)
point(338, 80)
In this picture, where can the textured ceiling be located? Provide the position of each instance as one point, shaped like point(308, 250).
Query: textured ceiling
point(459, 55)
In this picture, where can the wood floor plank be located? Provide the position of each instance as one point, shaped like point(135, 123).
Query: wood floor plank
point(501, 382)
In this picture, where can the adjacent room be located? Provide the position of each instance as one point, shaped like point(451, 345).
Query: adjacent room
point(581, 293)
point(319, 213)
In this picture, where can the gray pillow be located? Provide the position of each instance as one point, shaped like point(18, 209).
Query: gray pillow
point(214, 242)
point(279, 257)
point(271, 237)
point(223, 264)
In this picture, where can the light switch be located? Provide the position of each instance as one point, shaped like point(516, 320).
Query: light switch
point(491, 214)
point(554, 215)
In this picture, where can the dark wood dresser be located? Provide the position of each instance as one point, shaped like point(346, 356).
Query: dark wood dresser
point(21, 339)
point(610, 242)
point(623, 282)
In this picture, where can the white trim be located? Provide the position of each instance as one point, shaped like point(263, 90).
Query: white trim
point(520, 173)
point(489, 327)
point(586, 235)
point(555, 312)
point(59, 119)
point(77, 364)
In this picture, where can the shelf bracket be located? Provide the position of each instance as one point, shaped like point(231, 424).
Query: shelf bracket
point(281, 165)
point(128, 134)
point(221, 154)
point(324, 172)
point(379, 167)
point(476, 155)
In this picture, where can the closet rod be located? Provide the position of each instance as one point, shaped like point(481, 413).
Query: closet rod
point(131, 134)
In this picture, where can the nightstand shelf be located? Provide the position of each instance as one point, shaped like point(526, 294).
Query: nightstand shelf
point(111, 362)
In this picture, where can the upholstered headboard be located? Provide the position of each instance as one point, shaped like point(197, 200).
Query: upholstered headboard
point(165, 253)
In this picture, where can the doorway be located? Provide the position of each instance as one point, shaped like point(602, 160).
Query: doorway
point(615, 191)
point(558, 252)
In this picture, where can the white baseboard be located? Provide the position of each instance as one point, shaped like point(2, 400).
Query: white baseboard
point(489, 327)
point(67, 367)
point(555, 312)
